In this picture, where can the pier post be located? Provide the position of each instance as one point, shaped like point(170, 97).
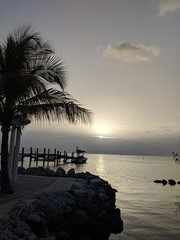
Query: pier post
point(48, 157)
point(55, 156)
point(22, 157)
point(37, 152)
point(30, 158)
point(60, 155)
point(44, 158)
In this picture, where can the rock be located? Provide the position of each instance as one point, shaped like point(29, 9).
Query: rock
point(84, 197)
point(84, 236)
point(49, 172)
point(55, 205)
point(22, 227)
point(41, 171)
point(93, 210)
point(49, 238)
point(86, 176)
point(164, 182)
point(60, 172)
point(38, 225)
point(62, 235)
point(81, 175)
point(83, 213)
point(18, 210)
point(6, 230)
point(96, 182)
point(99, 231)
point(109, 206)
point(31, 171)
point(79, 218)
point(21, 170)
point(71, 172)
point(103, 197)
point(171, 182)
point(103, 217)
point(75, 187)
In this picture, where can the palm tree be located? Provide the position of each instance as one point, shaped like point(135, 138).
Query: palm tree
point(32, 86)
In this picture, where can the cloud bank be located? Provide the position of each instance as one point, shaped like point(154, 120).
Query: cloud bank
point(127, 52)
point(168, 6)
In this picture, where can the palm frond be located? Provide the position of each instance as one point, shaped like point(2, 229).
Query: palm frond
point(52, 70)
point(33, 79)
point(55, 105)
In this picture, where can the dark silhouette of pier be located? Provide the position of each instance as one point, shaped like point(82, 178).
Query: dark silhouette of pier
point(45, 157)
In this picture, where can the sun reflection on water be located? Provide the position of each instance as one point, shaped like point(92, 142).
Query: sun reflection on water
point(100, 165)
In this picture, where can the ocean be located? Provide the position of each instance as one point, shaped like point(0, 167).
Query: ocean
point(150, 211)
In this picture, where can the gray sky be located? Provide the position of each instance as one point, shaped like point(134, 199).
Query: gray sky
point(122, 58)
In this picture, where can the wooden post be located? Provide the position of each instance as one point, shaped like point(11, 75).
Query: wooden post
point(44, 159)
point(22, 157)
point(48, 157)
point(60, 156)
point(55, 156)
point(37, 152)
point(30, 158)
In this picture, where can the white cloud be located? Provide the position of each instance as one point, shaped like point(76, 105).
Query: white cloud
point(168, 6)
point(127, 52)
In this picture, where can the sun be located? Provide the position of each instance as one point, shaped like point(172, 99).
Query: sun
point(102, 130)
point(101, 137)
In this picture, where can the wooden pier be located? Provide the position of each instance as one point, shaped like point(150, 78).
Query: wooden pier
point(44, 156)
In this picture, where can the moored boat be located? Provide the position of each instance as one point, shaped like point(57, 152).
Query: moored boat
point(79, 159)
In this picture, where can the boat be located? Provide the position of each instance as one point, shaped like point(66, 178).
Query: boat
point(79, 159)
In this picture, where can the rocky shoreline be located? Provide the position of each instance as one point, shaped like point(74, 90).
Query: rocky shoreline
point(84, 213)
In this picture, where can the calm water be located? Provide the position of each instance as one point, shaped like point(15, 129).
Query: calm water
point(150, 211)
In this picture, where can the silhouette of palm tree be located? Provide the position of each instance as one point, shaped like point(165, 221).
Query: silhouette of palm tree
point(32, 86)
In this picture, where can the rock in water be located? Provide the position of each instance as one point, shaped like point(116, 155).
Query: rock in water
point(164, 182)
point(171, 182)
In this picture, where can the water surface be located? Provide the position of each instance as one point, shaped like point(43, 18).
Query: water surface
point(150, 211)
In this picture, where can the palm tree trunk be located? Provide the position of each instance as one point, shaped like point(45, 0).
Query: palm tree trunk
point(5, 179)
point(11, 151)
point(16, 154)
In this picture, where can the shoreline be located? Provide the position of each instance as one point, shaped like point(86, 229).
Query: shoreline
point(82, 203)
point(28, 186)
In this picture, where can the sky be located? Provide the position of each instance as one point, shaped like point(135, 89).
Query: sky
point(122, 59)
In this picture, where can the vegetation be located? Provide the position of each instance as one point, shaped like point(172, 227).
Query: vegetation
point(32, 86)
